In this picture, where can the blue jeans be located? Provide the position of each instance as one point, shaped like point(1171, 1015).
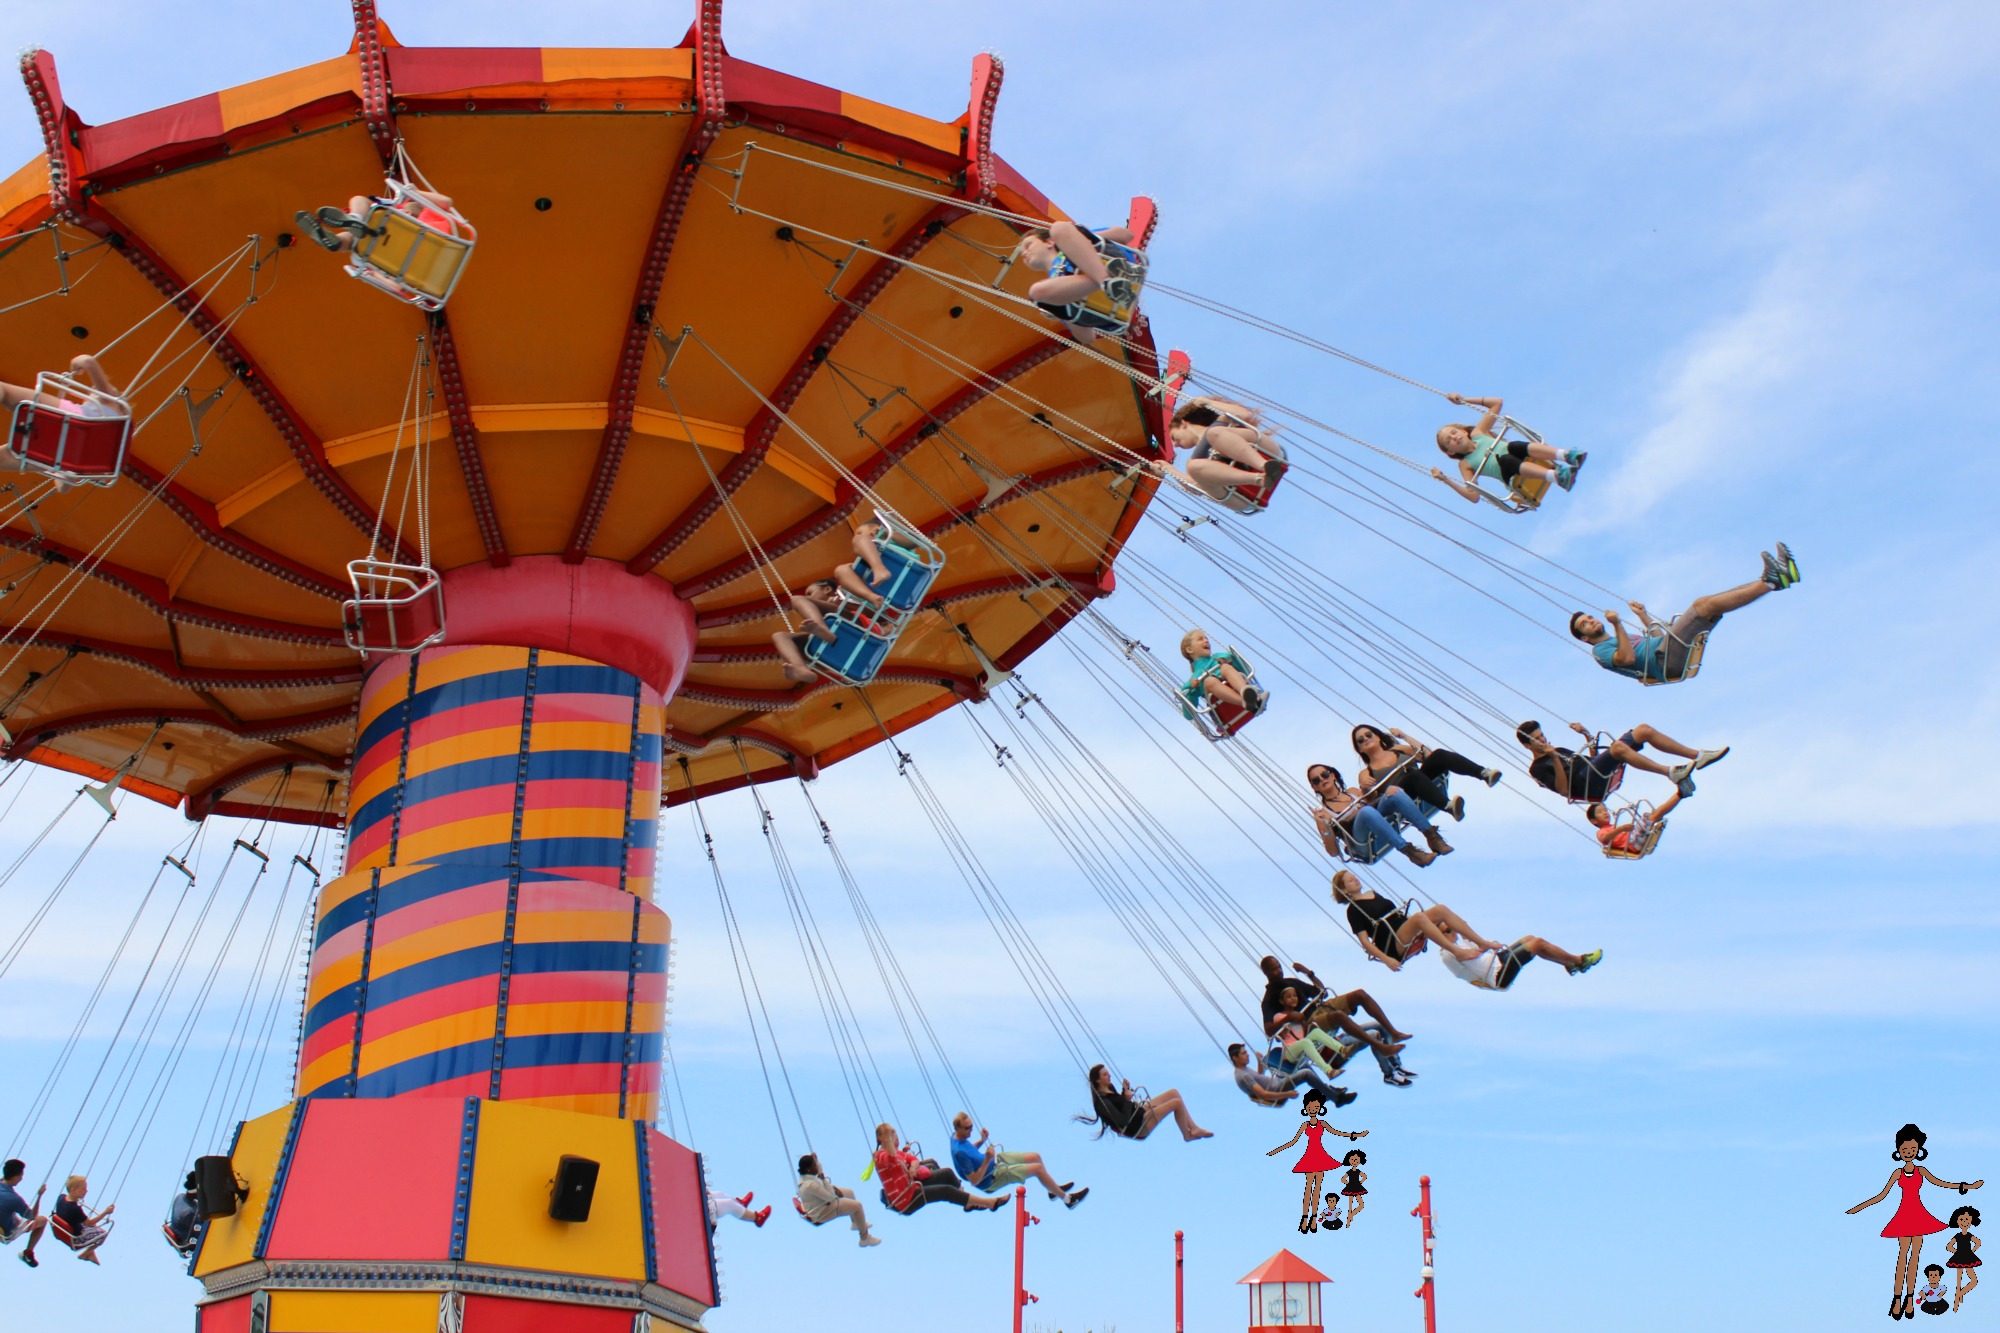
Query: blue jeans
point(1373, 834)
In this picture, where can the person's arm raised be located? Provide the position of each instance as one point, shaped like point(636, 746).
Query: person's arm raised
point(1624, 655)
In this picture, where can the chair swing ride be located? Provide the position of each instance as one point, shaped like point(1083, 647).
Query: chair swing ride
point(475, 557)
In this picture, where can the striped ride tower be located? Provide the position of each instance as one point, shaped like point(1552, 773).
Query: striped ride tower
point(492, 935)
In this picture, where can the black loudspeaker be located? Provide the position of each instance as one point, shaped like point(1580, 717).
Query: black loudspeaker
point(216, 1193)
point(576, 1182)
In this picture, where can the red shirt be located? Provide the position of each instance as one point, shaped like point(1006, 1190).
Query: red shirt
point(895, 1170)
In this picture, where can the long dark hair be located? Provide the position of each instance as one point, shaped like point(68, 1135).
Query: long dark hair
point(1097, 1103)
point(1381, 734)
point(1338, 779)
point(1908, 1134)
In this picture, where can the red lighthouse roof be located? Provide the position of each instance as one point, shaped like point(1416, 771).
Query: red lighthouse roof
point(1284, 1266)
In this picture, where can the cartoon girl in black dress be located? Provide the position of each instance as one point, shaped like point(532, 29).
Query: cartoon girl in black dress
point(1351, 1188)
point(1963, 1252)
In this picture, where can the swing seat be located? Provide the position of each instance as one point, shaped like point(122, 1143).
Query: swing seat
point(859, 648)
point(1366, 851)
point(914, 562)
point(1524, 493)
point(183, 1250)
point(1255, 497)
point(803, 1214)
point(415, 257)
point(1645, 847)
point(78, 438)
point(1691, 667)
point(395, 608)
point(1218, 721)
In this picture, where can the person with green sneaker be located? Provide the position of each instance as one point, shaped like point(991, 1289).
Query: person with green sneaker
point(1496, 969)
point(1663, 656)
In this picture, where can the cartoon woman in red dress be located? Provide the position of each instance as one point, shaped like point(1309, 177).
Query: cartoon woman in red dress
point(1316, 1161)
point(1912, 1221)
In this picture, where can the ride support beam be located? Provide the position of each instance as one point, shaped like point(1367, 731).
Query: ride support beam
point(978, 185)
point(710, 106)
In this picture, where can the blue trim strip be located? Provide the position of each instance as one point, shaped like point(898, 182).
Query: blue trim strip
point(402, 760)
point(645, 1152)
point(361, 987)
point(461, 1206)
point(631, 993)
point(707, 1232)
point(544, 1050)
point(278, 1178)
point(499, 1056)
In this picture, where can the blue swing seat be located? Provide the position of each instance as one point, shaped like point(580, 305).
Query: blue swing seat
point(864, 634)
point(858, 649)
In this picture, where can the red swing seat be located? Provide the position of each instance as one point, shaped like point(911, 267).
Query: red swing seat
point(395, 608)
point(79, 437)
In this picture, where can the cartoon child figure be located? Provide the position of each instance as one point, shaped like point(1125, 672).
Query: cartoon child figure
point(1329, 1219)
point(1351, 1188)
point(1316, 1161)
point(1964, 1247)
point(1931, 1296)
point(1912, 1221)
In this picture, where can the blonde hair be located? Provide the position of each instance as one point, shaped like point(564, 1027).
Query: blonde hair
point(1188, 639)
point(73, 1184)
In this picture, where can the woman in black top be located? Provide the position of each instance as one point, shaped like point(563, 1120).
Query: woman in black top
point(1389, 755)
point(1130, 1119)
point(1390, 936)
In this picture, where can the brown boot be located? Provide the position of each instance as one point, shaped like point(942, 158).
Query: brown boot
point(1420, 858)
point(1439, 847)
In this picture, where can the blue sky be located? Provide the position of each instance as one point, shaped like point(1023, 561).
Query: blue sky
point(1736, 251)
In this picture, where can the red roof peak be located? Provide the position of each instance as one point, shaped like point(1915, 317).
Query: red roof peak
point(1284, 1266)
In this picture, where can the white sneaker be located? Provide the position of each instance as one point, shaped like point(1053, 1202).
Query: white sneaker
point(866, 1241)
point(1679, 772)
point(1707, 757)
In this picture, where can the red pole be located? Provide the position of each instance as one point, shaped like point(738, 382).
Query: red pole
point(1022, 1221)
point(1180, 1306)
point(1427, 1292)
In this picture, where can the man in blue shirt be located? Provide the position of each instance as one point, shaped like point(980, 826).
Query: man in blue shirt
point(17, 1217)
point(1662, 658)
point(991, 1170)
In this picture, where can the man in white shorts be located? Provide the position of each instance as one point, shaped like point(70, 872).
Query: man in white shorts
point(1497, 968)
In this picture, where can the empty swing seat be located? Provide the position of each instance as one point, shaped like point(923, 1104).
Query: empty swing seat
point(395, 608)
point(77, 435)
point(415, 257)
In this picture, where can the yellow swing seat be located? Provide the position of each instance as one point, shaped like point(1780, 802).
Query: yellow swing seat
point(416, 257)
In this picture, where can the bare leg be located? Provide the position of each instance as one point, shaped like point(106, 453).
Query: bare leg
point(1222, 693)
point(866, 551)
point(1362, 1034)
point(1041, 1173)
point(1309, 1209)
point(1346, 1002)
point(1647, 734)
point(1430, 924)
point(1541, 948)
point(1355, 1203)
point(793, 656)
point(814, 618)
point(1238, 446)
point(1170, 1103)
point(852, 583)
point(1625, 754)
point(1734, 599)
point(1216, 478)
